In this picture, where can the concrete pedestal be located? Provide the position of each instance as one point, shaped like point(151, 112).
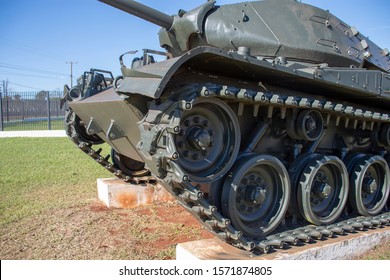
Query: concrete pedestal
point(341, 247)
point(119, 194)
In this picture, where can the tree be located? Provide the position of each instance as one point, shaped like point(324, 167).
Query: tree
point(4, 88)
point(42, 95)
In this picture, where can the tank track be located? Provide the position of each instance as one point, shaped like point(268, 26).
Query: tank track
point(163, 121)
point(72, 128)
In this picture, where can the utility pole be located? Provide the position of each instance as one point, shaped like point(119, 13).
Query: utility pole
point(71, 71)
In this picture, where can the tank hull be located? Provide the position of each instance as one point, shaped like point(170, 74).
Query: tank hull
point(110, 109)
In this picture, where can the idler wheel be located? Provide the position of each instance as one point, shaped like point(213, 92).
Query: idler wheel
point(322, 189)
point(128, 165)
point(76, 124)
point(256, 195)
point(209, 140)
point(370, 184)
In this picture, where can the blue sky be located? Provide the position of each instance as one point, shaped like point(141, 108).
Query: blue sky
point(38, 37)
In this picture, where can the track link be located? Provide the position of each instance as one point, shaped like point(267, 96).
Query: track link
point(72, 127)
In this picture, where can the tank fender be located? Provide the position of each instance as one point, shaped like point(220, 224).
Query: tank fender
point(353, 83)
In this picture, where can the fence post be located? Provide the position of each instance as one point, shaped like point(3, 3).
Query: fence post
point(48, 112)
point(1, 112)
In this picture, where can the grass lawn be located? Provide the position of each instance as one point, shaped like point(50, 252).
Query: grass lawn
point(49, 209)
point(41, 174)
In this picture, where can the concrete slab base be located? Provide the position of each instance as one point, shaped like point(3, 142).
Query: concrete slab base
point(119, 194)
point(341, 247)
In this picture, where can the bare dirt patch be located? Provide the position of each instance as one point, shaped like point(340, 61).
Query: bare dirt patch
point(380, 252)
point(93, 231)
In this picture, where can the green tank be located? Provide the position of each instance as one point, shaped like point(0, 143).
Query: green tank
point(268, 121)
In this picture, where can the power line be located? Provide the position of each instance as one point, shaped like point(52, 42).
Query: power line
point(33, 76)
point(29, 69)
point(24, 86)
point(30, 49)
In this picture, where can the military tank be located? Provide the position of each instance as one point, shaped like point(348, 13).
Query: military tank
point(268, 121)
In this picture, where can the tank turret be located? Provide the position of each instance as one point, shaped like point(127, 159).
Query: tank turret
point(270, 28)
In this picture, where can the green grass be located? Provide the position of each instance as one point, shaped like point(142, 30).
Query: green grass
point(40, 125)
point(39, 174)
point(49, 209)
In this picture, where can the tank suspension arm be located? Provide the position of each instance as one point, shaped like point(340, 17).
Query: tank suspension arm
point(142, 11)
point(256, 136)
point(311, 148)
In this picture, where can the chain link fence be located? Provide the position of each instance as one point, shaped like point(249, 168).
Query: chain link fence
point(31, 111)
